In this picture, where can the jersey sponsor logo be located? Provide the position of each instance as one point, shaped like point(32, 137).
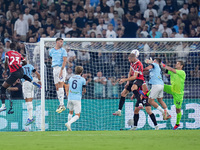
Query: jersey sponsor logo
point(73, 92)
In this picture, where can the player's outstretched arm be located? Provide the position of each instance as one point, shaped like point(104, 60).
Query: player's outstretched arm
point(84, 90)
point(148, 68)
point(169, 68)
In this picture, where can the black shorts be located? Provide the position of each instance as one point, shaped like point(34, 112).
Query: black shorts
point(14, 76)
point(144, 102)
point(137, 82)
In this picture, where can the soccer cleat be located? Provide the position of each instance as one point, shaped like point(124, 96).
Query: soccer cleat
point(2, 108)
point(36, 84)
point(134, 128)
point(29, 121)
point(176, 126)
point(60, 109)
point(68, 126)
point(156, 127)
point(140, 106)
point(117, 113)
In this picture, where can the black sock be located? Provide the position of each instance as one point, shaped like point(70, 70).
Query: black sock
point(27, 78)
point(3, 94)
point(121, 102)
point(153, 118)
point(137, 96)
point(136, 118)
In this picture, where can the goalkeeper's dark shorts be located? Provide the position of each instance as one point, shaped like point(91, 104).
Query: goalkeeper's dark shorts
point(138, 82)
point(144, 102)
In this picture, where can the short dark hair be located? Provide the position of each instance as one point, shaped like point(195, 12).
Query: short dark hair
point(78, 69)
point(12, 46)
point(182, 63)
point(158, 60)
point(58, 39)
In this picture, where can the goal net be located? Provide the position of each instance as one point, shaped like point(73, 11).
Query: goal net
point(105, 61)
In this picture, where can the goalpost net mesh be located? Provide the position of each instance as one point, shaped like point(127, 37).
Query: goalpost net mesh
point(108, 61)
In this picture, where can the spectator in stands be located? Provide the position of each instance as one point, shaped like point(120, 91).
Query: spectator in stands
point(180, 33)
point(160, 4)
point(102, 26)
point(94, 3)
point(154, 33)
point(28, 16)
point(195, 73)
point(99, 85)
point(193, 15)
point(7, 45)
point(130, 28)
point(80, 20)
point(183, 10)
point(83, 58)
point(119, 9)
point(183, 51)
point(75, 32)
point(21, 27)
point(104, 7)
point(147, 12)
point(110, 33)
point(169, 7)
point(165, 35)
point(90, 19)
point(88, 77)
point(166, 16)
point(112, 87)
point(143, 5)
point(166, 29)
point(151, 22)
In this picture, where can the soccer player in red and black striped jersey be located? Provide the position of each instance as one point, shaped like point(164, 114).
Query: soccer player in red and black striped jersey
point(14, 61)
point(134, 81)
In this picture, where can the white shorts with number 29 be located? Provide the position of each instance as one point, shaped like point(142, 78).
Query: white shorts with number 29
point(56, 72)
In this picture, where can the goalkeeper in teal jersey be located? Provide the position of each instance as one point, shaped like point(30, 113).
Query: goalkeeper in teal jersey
point(176, 89)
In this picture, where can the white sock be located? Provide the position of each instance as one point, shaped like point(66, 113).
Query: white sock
point(61, 96)
point(119, 110)
point(69, 117)
point(76, 117)
point(3, 105)
point(160, 109)
point(30, 109)
point(167, 110)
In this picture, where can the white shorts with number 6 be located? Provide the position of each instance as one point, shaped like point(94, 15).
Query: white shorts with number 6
point(28, 89)
point(74, 105)
point(156, 91)
point(56, 72)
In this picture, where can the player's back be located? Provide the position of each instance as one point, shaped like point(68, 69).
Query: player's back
point(156, 75)
point(28, 69)
point(14, 60)
point(76, 83)
point(57, 56)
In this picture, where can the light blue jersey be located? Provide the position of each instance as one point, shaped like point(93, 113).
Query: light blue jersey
point(28, 69)
point(57, 56)
point(155, 75)
point(76, 83)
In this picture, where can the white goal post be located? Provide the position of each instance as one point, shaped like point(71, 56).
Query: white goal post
point(117, 40)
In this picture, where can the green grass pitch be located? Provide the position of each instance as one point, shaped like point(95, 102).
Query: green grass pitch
point(102, 140)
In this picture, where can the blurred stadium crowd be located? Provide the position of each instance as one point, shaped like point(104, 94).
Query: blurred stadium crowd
point(28, 20)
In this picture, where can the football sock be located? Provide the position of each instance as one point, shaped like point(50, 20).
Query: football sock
point(178, 118)
point(121, 102)
point(136, 118)
point(30, 109)
point(76, 117)
point(3, 95)
point(160, 109)
point(61, 96)
point(153, 118)
point(137, 96)
point(167, 110)
point(69, 117)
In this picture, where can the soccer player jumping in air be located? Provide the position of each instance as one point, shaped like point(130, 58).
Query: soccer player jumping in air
point(157, 83)
point(176, 89)
point(13, 61)
point(134, 81)
point(59, 59)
